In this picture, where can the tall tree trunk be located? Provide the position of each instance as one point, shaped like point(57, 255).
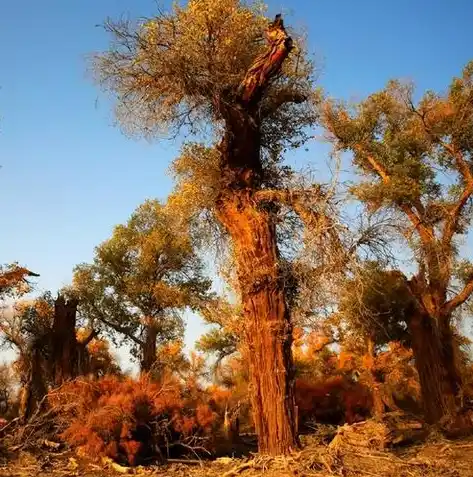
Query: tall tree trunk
point(268, 327)
point(149, 349)
point(64, 341)
point(252, 230)
point(435, 364)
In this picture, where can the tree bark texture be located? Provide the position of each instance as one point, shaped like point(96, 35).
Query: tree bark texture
point(268, 327)
point(434, 357)
point(65, 347)
point(253, 234)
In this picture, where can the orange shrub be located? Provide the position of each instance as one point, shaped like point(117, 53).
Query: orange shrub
point(332, 401)
point(129, 420)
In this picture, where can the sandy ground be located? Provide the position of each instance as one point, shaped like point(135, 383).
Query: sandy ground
point(440, 458)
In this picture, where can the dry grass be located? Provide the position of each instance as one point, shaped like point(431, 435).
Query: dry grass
point(377, 447)
point(436, 458)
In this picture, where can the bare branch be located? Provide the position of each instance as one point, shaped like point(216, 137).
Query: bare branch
point(282, 97)
point(459, 299)
point(315, 220)
point(116, 327)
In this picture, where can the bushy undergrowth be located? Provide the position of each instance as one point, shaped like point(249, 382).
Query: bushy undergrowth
point(132, 421)
point(331, 401)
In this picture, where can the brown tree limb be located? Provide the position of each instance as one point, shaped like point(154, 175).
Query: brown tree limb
point(463, 168)
point(459, 299)
point(425, 232)
point(281, 98)
point(451, 225)
point(117, 328)
point(267, 64)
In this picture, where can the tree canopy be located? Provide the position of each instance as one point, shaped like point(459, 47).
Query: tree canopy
point(176, 70)
point(417, 160)
point(142, 278)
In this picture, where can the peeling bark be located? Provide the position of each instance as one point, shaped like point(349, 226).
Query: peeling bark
point(268, 327)
point(253, 233)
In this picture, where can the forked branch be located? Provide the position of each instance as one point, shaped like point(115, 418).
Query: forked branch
point(425, 232)
point(452, 222)
point(459, 299)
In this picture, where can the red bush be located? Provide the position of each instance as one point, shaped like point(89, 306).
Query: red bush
point(129, 420)
point(332, 401)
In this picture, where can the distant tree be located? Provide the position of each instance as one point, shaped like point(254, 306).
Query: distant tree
point(225, 337)
point(415, 159)
point(373, 311)
point(141, 279)
point(43, 331)
point(373, 306)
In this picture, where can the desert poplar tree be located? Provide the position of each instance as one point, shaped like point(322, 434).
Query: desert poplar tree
point(222, 67)
point(415, 159)
point(140, 281)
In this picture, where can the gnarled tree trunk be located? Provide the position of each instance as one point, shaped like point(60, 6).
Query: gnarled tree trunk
point(65, 352)
point(268, 327)
point(433, 354)
point(253, 234)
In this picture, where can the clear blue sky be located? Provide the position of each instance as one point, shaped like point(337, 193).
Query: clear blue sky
point(68, 175)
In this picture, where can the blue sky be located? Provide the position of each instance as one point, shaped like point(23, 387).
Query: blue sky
point(68, 175)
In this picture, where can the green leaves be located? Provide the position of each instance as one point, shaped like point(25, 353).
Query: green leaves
point(177, 71)
point(143, 275)
point(406, 149)
point(415, 158)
